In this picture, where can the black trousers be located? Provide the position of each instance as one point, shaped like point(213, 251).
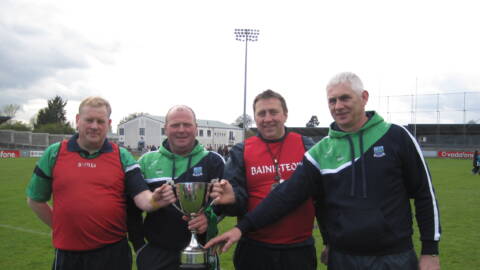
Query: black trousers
point(151, 257)
point(116, 256)
point(249, 256)
point(401, 261)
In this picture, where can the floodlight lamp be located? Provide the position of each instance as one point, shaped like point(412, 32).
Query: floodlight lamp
point(246, 34)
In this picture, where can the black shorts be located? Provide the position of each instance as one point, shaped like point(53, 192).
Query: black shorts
point(116, 256)
point(400, 261)
point(249, 256)
point(151, 257)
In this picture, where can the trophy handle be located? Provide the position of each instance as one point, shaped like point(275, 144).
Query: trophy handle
point(172, 183)
point(178, 208)
point(213, 181)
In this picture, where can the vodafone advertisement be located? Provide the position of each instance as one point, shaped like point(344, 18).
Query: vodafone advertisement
point(455, 154)
point(9, 153)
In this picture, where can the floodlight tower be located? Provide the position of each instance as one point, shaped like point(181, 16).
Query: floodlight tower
point(246, 35)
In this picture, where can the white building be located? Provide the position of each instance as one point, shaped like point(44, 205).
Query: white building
point(151, 130)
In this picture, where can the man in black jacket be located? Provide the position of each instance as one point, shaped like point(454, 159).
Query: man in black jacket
point(366, 171)
point(180, 158)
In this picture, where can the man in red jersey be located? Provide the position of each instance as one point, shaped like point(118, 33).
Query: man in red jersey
point(89, 178)
point(254, 168)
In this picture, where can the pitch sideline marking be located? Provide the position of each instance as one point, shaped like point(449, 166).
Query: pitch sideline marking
point(23, 230)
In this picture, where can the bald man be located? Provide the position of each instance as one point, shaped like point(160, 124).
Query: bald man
point(182, 159)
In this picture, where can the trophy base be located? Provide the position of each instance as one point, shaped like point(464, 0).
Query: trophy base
point(193, 258)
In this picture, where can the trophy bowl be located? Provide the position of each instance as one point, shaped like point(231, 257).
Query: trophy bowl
point(192, 198)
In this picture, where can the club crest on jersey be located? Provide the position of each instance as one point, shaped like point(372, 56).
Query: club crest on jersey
point(197, 171)
point(378, 151)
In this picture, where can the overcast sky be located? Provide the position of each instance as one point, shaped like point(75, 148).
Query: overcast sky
point(146, 56)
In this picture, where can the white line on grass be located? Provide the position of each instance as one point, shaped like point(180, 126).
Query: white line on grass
point(23, 230)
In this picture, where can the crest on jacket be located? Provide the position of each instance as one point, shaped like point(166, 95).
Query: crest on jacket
point(197, 171)
point(378, 151)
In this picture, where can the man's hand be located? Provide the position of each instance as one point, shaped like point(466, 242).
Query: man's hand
point(222, 192)
point(163, 196)
point(224, 241)
point(429, 262)
point(199, 224)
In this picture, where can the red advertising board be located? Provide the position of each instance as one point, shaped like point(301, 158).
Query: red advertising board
point(9, 153)
point(455, 154)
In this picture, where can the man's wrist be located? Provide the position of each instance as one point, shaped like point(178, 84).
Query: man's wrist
point(154, 205)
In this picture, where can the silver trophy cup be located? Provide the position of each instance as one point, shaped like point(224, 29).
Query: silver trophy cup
point(192, 197)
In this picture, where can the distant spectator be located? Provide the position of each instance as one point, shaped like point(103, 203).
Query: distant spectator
point(220, 150)
point(476, 162)
point(153, 148)
point(225, 152)
point(141, 144)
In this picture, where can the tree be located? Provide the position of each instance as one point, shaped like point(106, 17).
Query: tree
point(16, 125)
point(313, 122)
point(473, 121)
point(52, 119)
point(239, 121)
point(55, 128)
point(10, 110)
point(131, 116)
point(53, 113)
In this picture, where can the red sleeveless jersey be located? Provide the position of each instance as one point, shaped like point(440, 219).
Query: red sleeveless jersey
point(88, 200)
point(260, 173)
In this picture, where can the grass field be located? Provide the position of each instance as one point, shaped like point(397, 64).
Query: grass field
point(25, 241)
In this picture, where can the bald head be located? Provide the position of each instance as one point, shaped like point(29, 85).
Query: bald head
point(180, 108)
point(181, 129)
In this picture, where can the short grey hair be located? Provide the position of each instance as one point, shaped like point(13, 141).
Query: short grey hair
point(349, 78)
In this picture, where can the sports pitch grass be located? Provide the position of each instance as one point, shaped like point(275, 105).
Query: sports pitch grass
point(25, 241)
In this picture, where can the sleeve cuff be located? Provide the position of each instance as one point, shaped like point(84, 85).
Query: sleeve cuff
point(429, 247)
point(245, 226)
point(134, 183)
